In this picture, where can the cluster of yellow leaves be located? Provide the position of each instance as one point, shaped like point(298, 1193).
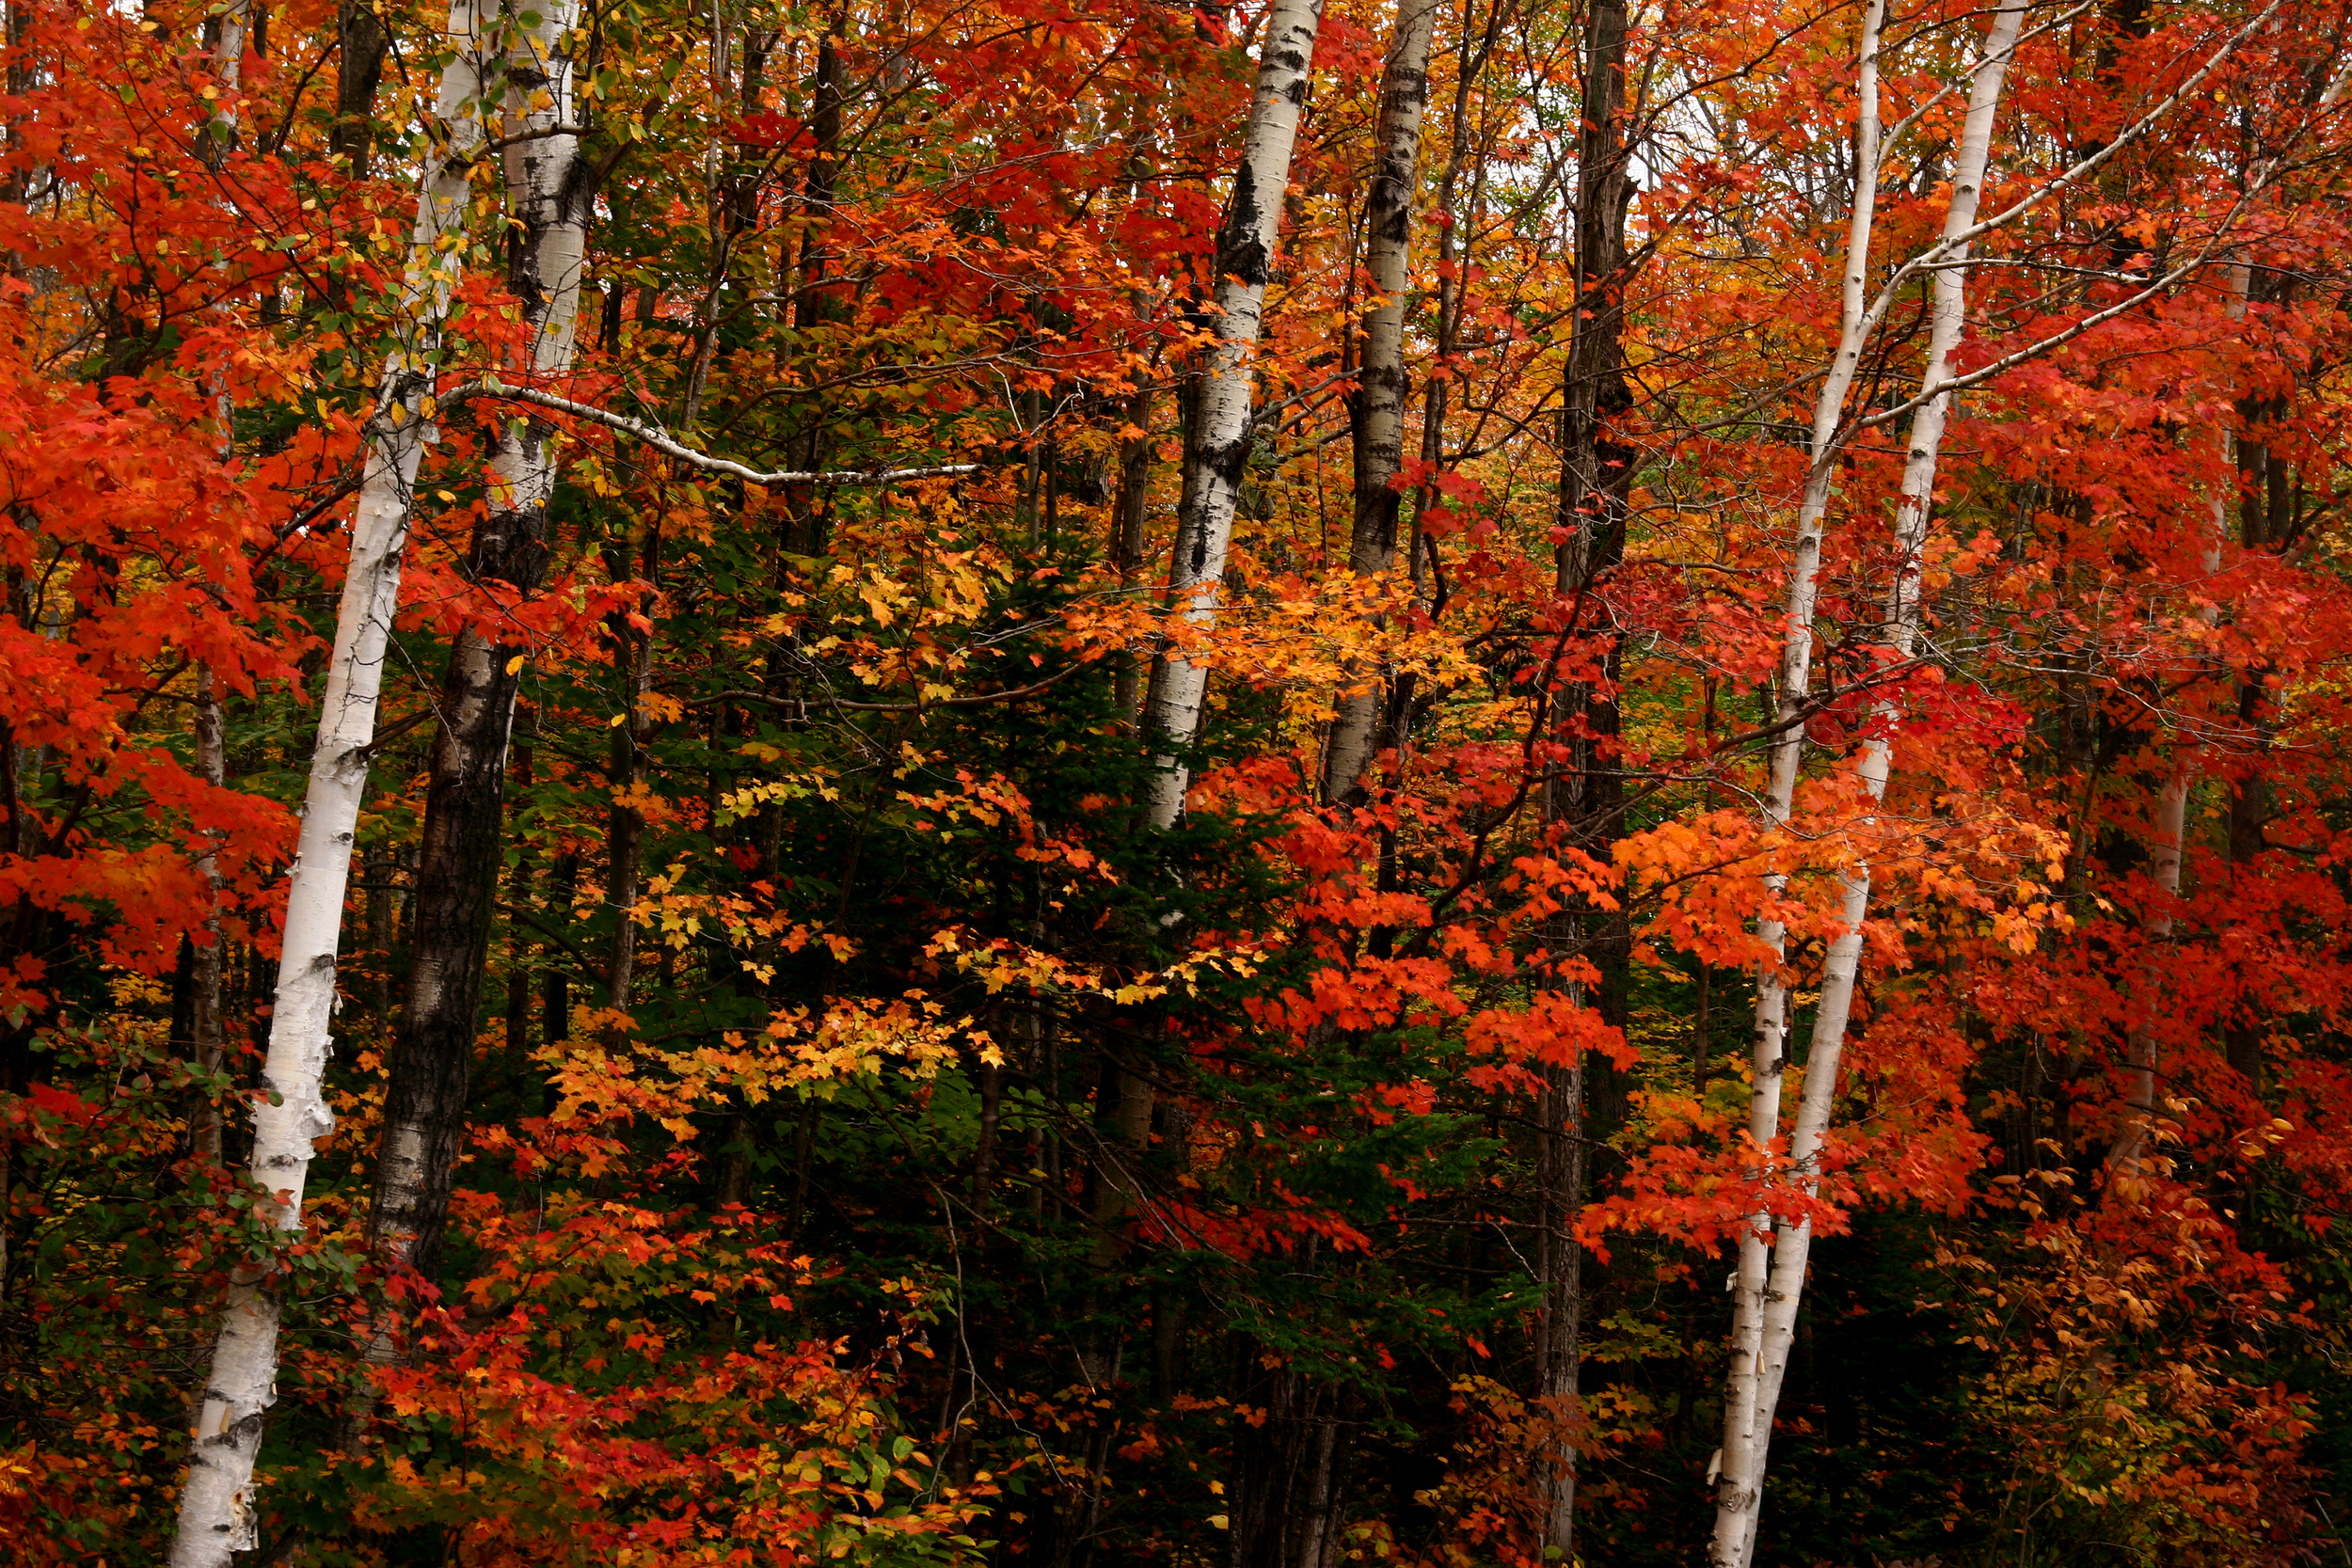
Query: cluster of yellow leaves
point(602, 1076)
point(1002, 964)
point(679, 917)
point(1320, 637)
point(853, 1040)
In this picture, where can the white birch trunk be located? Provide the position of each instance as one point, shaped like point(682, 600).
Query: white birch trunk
point(545, 192)
point(1775, 1325)
point(1380, 404)
point(532, 110)
point(216, 1513)
point(228, 69)
point(1739, 1477)
point(1219, 449)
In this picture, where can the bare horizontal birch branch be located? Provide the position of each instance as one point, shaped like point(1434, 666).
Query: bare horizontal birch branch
point(663, 442)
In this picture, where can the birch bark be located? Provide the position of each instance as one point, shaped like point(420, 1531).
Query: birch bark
point(217, 1515)
point(1218, 449)
point(460, 852)
point(1385, 385)
point(1772, 1312)
point(1738, 1479)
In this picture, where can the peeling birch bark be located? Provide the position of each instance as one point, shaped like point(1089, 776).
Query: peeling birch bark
point(216, 1513)
point(1219, 448)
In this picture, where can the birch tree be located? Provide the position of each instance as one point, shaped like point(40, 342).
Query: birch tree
point(425, 1115)
point(1769, 1279)
point(1218, 449)
point(217, 1515)
point(1766, 1300)
point(1379, 422)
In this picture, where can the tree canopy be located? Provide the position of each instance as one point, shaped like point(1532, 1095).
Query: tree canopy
point(1044, 782)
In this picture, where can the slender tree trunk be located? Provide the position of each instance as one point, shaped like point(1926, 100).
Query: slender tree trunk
point(1736, 1473)
point(518, 895)
point(16, 24)
point(1559, 1167)
point(555, 1004)
point(361, 45)
point(1323, 1462)
point(204, 1026)
point(1473, 49)
point(1218, 448)
point(1595, 468)
point(375, 870)
point(462, 843)
point(517, 997)
point(2171, 834)
point(1123, 1136)
point(1380, 424)
point(1114, 1189)
point(992, 1081)
point(1597, 471)
point(211, 757)
point(2163, 870)
point(2262, 526)
point(225, 38)
point(1767, 1308)
point(216, 1512)
point(813, 302)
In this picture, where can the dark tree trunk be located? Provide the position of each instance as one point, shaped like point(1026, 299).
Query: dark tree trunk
point(1289, 1471)
point(362, 42)
point(208, 1045)
point(455, 896)
point(519, 951)
point(1581, 1099)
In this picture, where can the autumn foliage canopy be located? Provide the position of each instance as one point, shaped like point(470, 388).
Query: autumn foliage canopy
point(1055, 782)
